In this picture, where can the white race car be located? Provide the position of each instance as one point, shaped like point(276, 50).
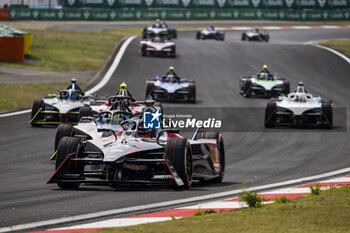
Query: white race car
point(299, 109)
point(171, 88)
point(210, 33)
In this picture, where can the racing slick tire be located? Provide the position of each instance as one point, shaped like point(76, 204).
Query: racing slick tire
point(245, 88)
point(173, 52)
point(37, 104)
point(192, 88)
point(62, 131)
point(198, 35)
point(269, 114)
point(144, 33)
point(220, 141)
point(178, 152)
point(84, 112)
point(266, 38)
point(222, 36)
point(67, 146)
point(149, 89)
point(327, 110)
point(286, 87)
point(143, 50)
point(243, 37)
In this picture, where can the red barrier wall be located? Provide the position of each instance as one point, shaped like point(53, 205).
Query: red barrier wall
point(12, 49)
point(4, 14)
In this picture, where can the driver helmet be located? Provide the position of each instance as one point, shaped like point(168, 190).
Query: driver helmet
point(265, 67)
point(171, 68)
point(73, 80)
point(72, 95)
point(123, 85)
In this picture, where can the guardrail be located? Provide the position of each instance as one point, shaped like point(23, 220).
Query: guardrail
point(178, 14)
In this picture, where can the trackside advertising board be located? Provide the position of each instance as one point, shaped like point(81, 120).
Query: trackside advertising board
point(292, 4)
point(177, 14)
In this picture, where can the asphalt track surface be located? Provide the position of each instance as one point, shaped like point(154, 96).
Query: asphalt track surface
point(252, 158)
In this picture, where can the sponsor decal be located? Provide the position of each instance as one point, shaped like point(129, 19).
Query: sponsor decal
point(93, 1)
point(112, 15)
point(221, 3)
point(71, 2)
point(274, 3)
point(186, 2)
point(235, 14)
point(138, 14)
point(338, 3)
point(110, 2)
point(169, 2)
point(303, 15)
point(152, 120)
point(163, 14)
point(187, 121)
point(238, 3)
point(204, 2)
point(347, 15)
point(255, 3)
point(307, 2)
point(322, 2)
point(86, 14)
point(325, 15)
point(149, 2)
point(60, 14)
point(259, 14)
point(212, 14)
point(188, 14)
point(281, 14)
point(35, 14)
point(13, 14)
point(289, 3)
point(73, 15)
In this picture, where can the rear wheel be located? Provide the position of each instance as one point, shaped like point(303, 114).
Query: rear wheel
point(37, 105)
point(84, 111)
point(198, 35)
point(270, 114)
point(327, 110)
point(179, 153)
point(286, 87)
point(67, 146)
point(149, 89)
point(62, 131)
point(245, 88)
point(243, 37)
point(143, 50)
point(192, 88)
point(221, 149)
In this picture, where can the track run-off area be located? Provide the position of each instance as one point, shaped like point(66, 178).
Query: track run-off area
point(253, 157)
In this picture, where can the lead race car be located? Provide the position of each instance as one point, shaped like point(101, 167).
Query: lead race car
point(171, 88)
point(159, 27)
point(56, 109)
point(299, 109)
point(158, 45)
point(138, 155)
point(263, 85)
point(255, 35)
point(210, 33)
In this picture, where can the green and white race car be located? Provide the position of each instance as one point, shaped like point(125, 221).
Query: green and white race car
point(263, 85)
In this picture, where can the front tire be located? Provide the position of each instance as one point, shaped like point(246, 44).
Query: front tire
point(67, 146)
point(62, 131)
point(269, 114)
point(179, 154)
point(327, 110)
point(84, 111)
point(286, 88)
point(149, 89)
point(37, 105)
point(220, 142)
point(192, 88)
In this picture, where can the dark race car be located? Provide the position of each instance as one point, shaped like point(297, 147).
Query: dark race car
point(255, 35)
point(138, 155)
point(210, 33)
point(171, 88)
point(56, 109)
point(159, 28)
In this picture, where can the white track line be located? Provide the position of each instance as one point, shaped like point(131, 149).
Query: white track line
point(169, 203)
point(101, 84)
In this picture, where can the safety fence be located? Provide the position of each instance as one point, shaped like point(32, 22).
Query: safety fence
point(178, 14)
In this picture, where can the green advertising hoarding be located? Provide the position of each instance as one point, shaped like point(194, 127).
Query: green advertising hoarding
point(145, 4)
point(177, 14)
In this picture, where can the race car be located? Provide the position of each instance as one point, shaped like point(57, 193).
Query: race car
point(210, 33)
point(299, 109)
point(161, 28)
point(158, 46)
point(171, 88)
point(138, 155)
point(263, 85)
point(255, 35)
point(56, 109)
point(121, 103)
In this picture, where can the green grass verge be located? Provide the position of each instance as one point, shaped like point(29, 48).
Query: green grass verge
point(22, 96)
point(342, 46)
point(56, 50)
point(327, 212)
